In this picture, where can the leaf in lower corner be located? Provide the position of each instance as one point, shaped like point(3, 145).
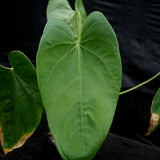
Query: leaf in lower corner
point(155, 113)
point(20, 101)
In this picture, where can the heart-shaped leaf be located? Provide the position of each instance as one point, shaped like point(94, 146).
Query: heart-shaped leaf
point(20, 101)
point(79, 74)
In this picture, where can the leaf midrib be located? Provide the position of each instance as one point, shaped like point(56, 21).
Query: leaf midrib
point(79, 25)
point(80, 86)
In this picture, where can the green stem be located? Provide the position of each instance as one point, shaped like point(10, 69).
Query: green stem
point(145, 82)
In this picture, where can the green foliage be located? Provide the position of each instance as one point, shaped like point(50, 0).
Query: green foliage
point(20, 101)
point(79, 75)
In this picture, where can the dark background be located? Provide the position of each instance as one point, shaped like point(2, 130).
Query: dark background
point(137, 26)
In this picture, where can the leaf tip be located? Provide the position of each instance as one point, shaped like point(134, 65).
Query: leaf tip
point(153, 123)
point(18, 145)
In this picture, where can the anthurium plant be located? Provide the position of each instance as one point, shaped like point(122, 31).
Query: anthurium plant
point(79, 75)
point(78, 82)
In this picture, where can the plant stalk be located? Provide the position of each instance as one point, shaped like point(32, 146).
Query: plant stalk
point(143, 83)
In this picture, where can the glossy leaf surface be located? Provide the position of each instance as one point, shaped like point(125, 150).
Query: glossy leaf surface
point(20, 101)
point(79, 74)
point(155, 113)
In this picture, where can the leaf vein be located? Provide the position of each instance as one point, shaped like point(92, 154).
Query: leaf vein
point(80, 85)
point(52, 71)
point(66, 88)
point(92, 40)
point(62, 31)
point(58, 44)
point(102, 62)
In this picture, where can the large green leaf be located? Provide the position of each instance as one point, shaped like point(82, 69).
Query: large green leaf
point(155, 113)
point(20, 101)
point(79, 74)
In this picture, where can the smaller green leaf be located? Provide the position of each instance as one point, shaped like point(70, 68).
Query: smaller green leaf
point(59, 9)
point(155, 113)
point(20, 102)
